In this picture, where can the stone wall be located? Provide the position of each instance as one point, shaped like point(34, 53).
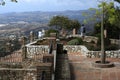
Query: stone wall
point(18, 74)
point(95, 39)
point(72, 48)
point(43, 49)
point(115, 41)
point(44, 71)
point(91, 54)
point(36, 50)
point(109, 54)
point(76, 49)
point(15, 57)
point(86, 38)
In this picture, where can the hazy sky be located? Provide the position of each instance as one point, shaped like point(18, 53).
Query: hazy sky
point(47, 5)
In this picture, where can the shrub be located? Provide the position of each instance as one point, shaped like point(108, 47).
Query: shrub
point(80, 41)
point(76, 41)
point(106, 41)
point(92, 46)
point(112, 47)
point(73, 42)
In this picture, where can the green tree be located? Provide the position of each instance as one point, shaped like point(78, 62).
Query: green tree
point(64, 23)
point(108, 16)
point(74, 24)
point(111, 20)
point(60, 22)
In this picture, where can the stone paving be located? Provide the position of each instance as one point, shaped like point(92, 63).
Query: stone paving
point(81, 69)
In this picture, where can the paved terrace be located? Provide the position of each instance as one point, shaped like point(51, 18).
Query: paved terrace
point(81, 69)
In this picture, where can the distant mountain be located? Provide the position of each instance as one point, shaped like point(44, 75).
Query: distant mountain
point(44, 17)
point(41, 17)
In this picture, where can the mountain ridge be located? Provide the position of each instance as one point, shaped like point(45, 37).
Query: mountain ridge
point(41, 16)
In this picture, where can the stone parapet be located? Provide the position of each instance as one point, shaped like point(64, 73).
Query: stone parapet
point(34, 49)
point(109, 54)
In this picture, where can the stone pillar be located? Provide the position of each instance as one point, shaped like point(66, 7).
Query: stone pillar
point(53, 40)
point(63, 32)
point(105, 33)
point(24, 49)
point(31, 36)
point(74, 31)
point(59, 48)
point(23, 40)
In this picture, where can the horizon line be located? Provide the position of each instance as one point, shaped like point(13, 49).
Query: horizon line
point(42, 11)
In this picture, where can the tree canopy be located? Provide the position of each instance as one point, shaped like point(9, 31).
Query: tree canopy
point(64, 22)
point(74, 24)
point(59, 21)
point(111, 15)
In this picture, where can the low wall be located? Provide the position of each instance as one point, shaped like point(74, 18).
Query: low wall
point(115, 41)
point(15, 57)
point(43, 49)
point(75, 49)
point(71, 49)
point(91, 54)
point(86, 38)
point(95, 39)
point(109, 54)
point(36, 50)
